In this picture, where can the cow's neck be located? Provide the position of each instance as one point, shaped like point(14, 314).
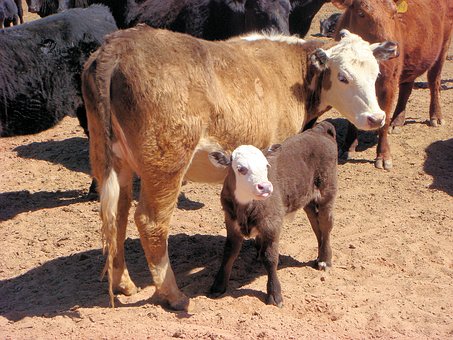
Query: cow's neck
point(313, 88)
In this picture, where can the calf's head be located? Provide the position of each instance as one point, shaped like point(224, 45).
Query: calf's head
point(249, 167)
point(349, 72)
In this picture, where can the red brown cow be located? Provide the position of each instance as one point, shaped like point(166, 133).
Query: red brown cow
point(422, 29)
point(158, 102)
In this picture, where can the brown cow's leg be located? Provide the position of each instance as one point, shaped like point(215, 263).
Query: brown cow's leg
point(233, 245)
point(153, 214)
point(321, 221)
point(399, 116)
point(434, 79)
point(269, 255)
point(386, 96)
point(121, 280)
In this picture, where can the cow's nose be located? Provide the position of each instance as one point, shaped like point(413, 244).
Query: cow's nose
point(264, 188)
point(375, 122)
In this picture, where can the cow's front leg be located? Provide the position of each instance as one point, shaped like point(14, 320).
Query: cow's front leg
point(269, 255)
point(233, 245)
point(399, 116)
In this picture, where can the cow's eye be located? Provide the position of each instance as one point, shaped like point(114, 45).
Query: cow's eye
point(342, 78)
point(242, 170)
point(360, 13)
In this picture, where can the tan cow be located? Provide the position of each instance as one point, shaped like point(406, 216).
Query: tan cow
point(158, 102)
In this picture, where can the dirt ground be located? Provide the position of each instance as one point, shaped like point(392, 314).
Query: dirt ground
point(392, 274)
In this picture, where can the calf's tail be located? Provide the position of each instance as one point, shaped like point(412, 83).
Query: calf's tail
point(96, 80)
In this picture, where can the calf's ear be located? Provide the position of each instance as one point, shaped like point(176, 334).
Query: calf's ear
point(384, 51)
point(273, 150)
point(319, 59)
point(342, 4)
point(219, 159)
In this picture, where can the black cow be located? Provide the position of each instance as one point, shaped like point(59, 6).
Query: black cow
point(302, 14)
point(41, 64)
point(8, 13)
point(327, 26)
point(207, 19)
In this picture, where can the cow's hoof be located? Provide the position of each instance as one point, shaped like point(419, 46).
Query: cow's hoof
point(385, 164)
point(322, 266)
point(180, 304)
point(127, 289)
point(436, 122)
point(274, 300)
point(216, 292)
point(395, 129)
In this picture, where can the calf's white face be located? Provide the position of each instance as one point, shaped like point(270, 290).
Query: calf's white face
point(351, 69)
point(250, 168)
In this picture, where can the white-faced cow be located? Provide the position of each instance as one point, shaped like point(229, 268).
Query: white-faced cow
point(41, 67)
point(423, 31)
point(158, 102)
point(259, 191)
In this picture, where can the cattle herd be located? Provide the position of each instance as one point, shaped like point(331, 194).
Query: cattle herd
point(217, 91)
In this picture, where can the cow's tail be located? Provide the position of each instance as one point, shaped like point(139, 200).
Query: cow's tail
point(96, 81)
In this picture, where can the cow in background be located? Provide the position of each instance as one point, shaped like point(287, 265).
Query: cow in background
point(207, 19)
point(327, 27)
point(158, 102)
point(423, 30)
point(41, 65)
point(9, 14)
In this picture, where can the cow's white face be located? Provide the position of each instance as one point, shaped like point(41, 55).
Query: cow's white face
point(350, 72)
point(250, 169)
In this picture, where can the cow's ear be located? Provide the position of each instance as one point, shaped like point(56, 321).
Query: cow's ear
point(219, 159)
point(384, 51)
point(342, 4)
point(319, 59)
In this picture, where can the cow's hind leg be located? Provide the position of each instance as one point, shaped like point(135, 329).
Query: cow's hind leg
point(434, 80)
point(158, 197)
point(121, 281)
point(399, 116)
point(321, 220)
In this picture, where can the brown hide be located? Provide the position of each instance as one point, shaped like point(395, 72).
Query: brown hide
point(423, 33)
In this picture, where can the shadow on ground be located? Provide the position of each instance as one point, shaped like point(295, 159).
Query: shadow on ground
point(64, 284)
point(439, 164)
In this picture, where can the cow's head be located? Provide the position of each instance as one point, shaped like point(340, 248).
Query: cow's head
point(43, 7)
point(349, 72)
point(249, 167)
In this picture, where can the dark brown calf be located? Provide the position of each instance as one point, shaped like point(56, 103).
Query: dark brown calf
point(422, 29)
point(303, 173)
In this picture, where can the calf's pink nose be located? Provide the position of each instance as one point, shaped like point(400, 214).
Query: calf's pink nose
point(264, 188)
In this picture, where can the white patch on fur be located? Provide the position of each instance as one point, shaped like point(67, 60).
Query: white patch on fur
point(278, 37)
point(353, 58)
point(256, 163)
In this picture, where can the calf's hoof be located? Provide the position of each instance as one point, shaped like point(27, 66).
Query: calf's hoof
point(322, 265)
point(215, 292)
point(385, 164)
point(274, 300)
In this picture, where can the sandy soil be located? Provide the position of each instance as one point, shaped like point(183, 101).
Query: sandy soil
point(392, 274)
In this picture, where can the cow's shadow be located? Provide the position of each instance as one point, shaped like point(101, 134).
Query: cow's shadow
point(439, 164)
point(16, 202)
point(64, 284)
point(72, 153)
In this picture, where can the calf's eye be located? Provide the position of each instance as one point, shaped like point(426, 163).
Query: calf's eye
point(242, 170)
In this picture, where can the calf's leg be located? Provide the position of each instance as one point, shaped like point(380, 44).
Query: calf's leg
point(233, 245)
point(321, 220)
point(269, 256)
